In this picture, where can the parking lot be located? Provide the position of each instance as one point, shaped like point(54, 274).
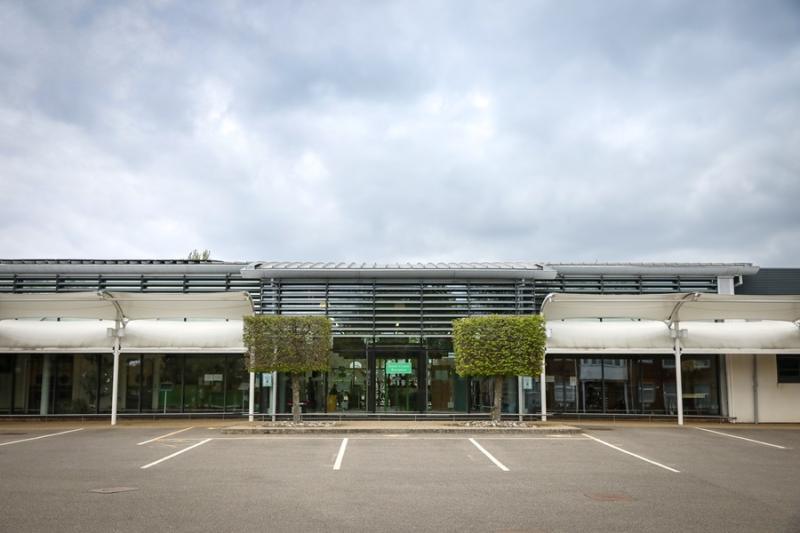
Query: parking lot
point(187, 478)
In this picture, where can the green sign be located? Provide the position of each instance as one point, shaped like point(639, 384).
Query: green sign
point(398, 367)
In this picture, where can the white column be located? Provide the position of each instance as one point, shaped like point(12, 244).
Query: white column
point(274, 393)
point(44, 398)
point(115, 379)
point(676, 348)
point(755, 389)
point(252, 401)
point(543, 389)
point(520, 398)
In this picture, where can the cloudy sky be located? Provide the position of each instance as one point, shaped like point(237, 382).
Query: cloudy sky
point(392, 131)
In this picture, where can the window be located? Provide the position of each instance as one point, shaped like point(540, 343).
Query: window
point(788, 368)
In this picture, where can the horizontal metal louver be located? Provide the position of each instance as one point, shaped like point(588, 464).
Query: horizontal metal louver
point(370, 307)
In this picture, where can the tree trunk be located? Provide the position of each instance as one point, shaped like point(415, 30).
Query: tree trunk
point(296, 397)
point(498, 398)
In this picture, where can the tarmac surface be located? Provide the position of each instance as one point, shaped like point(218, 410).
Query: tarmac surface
point(189, 476)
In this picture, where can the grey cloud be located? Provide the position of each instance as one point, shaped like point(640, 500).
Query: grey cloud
point(402, 131)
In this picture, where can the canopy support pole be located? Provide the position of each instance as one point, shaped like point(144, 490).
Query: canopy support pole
point(755, 389)
point(115, 377)
point(543, 390)
point(274, 393)
point(676, 348)
point(44, 399)
point(252, 399)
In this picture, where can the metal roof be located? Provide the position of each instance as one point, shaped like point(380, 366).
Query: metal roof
point(655, 269)
point(51, 261)
point(290, 269)
point(323, 269)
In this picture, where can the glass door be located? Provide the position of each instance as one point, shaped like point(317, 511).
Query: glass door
point(396, 384)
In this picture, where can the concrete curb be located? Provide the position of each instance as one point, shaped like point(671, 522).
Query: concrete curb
point(247, 430)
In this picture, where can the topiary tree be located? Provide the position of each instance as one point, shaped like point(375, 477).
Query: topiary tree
point(498, 346)
point(291, 344)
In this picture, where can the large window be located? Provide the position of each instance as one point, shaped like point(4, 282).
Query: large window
point(628, 385)
point(788, 368)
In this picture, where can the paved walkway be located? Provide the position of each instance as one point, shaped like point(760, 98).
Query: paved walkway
point(382, 426)
point(399, 426)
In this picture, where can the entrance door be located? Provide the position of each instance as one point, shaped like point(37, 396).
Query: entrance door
point(395, 385)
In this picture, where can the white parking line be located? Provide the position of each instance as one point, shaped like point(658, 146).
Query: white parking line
point(338, 464)
point(742, 438)
point(491, 457)
point(163, 436)
point(665, 467)
point(384, 437)
point(40, 437)
point(154, 463)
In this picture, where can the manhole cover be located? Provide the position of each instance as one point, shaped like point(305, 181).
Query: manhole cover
point(609, 497)
point(112, 490)
point(12, 433)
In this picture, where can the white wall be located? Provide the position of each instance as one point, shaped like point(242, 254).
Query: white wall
point(777, 402)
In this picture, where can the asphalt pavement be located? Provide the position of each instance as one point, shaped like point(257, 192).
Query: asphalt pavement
point(188, 477)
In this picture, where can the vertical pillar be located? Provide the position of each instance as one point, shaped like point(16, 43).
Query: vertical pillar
point(44, 399)
point(156, 392)
point(115, 378)
point(755, 389)
point(520, 398)
point(252, 399)
point(543, 389)
point(676, 348)
point(274, 393)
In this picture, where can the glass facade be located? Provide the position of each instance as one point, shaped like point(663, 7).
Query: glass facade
point(635, 385)
point(82, 384)
point(404, 380)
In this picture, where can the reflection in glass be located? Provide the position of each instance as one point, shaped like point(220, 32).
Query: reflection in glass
point(482, 394)
point(347, 382)
point(396, 384)
point(204, 380)
point(164, 383)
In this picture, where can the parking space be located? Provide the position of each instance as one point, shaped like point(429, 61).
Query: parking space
point(195, 478)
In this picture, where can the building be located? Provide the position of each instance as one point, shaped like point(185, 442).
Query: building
point(392, 349)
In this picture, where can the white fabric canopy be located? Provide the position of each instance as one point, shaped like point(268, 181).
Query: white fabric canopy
point(138, 336)
point(647, 336)
point(672, 307)
point(52, 336)
point(45, 305)
point(126, 305)
point(178, 336)
point(576, 336)
point(215, 321)
point(741, 337)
